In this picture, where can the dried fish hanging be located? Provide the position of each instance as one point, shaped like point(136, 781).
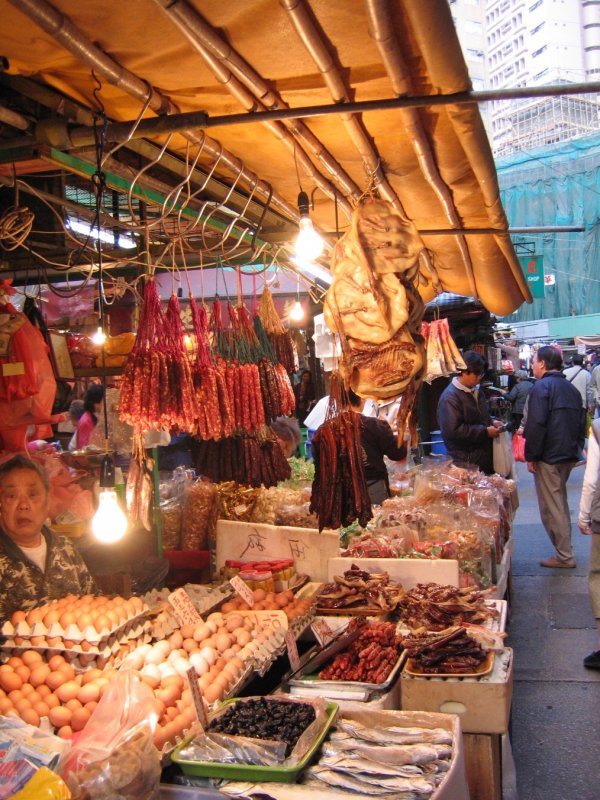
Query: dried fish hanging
point(443, 356)
point(156, 391)
point(339, 490)
point(281, 339)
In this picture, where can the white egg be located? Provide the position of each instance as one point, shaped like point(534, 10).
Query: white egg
point(181, 666)
point(164, 647)
point(173, 656)
point(165, 669)
point(199, 663)
point(212, 625)
point(134, 660)
point(143, 649)
point(209, 654)
point(216, 616)
point(152, 671)
point(155, 657)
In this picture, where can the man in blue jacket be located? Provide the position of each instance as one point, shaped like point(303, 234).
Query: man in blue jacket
point(554, 437)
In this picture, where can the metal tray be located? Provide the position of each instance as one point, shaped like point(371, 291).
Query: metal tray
point(253, 772)
point(314, 680)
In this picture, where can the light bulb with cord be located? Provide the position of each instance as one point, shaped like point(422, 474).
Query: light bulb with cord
point(99, 337)
point(309, 245)
point(296, 312)
point(109, 523)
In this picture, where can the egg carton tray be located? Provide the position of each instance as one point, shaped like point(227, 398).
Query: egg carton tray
point(71, 632)
point(104, 650)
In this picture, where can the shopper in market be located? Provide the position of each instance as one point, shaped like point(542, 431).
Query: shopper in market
point(464, 418)
point(91, 407)
point(589, 524)
point(377, 440)
point(305, 395)
point(579, 377)
point(554, 438)
point(35, 564)
point(287, 433)
point(518, 397)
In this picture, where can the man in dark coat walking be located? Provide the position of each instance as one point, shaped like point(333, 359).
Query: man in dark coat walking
point(464, 418)
point(554, 437)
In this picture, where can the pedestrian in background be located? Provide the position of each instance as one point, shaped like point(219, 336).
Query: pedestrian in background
point(554, 438)
point(518, 397)
point(589, 524)
point(580, 378)
point(594, 388)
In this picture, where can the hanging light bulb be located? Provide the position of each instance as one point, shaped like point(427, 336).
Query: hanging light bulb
point(109, 523)
point(296, 312)
point(309, 244)
point(99, 337)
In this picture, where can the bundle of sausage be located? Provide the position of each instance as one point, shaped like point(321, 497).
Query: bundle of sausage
point(249, 460)
point(374, 306)
point(443, 356)
point(280, 338)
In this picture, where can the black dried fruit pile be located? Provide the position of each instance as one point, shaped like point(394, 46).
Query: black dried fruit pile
point(266, 719)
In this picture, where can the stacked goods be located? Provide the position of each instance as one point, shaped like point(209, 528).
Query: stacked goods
point(370, 658)
point(157, 389)
point(436, 607)
point(281, 340)
point(443, 356)
point(281, 573)
point(374, 306)
point(199, 516)
point(339, 489)
point(449, 652)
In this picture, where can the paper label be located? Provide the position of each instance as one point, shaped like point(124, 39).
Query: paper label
point(13, 368)
point(275, 619)
point(197, 698)
point(292, 649)
point(183, 608)
point(242, 588)
point(322, 631)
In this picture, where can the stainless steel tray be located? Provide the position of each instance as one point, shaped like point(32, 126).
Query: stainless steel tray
point(303, 680)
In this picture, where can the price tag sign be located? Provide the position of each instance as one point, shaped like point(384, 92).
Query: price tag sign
point(292, 649)
point(242, 588)
point(183, 608)
point(322, 631)
point(197, 698)
point(13, 368)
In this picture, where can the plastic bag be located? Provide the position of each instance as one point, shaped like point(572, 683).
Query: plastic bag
point(200, 512)
point(44, 785)
point(170, 520)
point(518, 446)
point(115, 755)
point(504, 463)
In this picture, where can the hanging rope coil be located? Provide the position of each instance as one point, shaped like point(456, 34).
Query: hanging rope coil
point(15, 227)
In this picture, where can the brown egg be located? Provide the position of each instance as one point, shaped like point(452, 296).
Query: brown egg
point(31, 657)
point(73, 705)
point(67, 618)
point(38, 641)
point(84, 620)
point(88, 693)
point(213, 693)
point(33, 697)
point(67, 671)
point(18, 616)
point(60, 716)
point(44, 690)
point(56, 662)
point(34, 616)
point(51, 617)
point(102, 623)
point(27, 689)
point(66, 732)
point(54, 680)
point(41, 709)
point(80, 718)
point(6, 668)
point(168, 696)
point(15, 695)
point(14, 662)
point(22, 704)
point(5, 705)
point(10, 681)
point(30, 716)
point(51, 701)
point(91, 706)
point(39, 674)
point(67, 691)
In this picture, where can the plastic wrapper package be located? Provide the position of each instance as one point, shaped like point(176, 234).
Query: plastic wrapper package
point(200, 511)
point(171, 514)
point(115, 757)
point(296, 516)
point(265, 751)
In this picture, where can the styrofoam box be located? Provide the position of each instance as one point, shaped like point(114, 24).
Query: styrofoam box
point(483, 704)
point(453, 786)
point(407, 571)
point(247, 541)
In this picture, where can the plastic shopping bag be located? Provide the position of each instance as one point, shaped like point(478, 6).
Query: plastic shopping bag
point(518, 446)
point(504, 463)
point(115, 755)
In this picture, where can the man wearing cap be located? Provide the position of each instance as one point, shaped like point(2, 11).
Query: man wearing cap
point(518, 397)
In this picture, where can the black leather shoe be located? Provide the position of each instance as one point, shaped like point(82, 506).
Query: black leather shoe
point(592, 661)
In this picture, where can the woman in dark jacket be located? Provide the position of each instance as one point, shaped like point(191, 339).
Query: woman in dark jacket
point(464, 418)
point(518, 397)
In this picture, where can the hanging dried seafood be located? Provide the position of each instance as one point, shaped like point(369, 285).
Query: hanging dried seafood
point(280, 338)
point(375, 308)
point(157, 389)
point(443, 356)
point(339, 490)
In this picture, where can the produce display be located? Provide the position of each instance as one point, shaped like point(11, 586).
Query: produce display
point(382, 760)
point(267, 719)
point(294, 608)
point(370, 658)
point(436, 607)
point(339, 489)
point(451, 651)
point(360, 591)
point(374, 306)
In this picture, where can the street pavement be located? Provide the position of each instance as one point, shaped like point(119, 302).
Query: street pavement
point(556, 701)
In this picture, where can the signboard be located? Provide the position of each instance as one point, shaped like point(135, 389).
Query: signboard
point(533, 269)
point(184, 608)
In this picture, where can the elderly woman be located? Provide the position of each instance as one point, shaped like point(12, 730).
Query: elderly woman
point(35, 565)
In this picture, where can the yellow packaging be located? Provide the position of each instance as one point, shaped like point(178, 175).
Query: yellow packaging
point(45, 785)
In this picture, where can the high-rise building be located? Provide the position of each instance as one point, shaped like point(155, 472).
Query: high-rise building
point(532, 43)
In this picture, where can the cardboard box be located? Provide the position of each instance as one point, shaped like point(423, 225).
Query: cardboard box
point(407, 571)
point(483, 704)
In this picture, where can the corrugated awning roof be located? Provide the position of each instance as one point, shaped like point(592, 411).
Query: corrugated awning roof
point(434, 163)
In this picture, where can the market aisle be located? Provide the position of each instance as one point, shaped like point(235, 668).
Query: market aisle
point(556, 702)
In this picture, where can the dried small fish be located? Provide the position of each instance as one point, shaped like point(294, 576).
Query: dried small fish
point(352, 784)
point(354, 763)
point(395, 734)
